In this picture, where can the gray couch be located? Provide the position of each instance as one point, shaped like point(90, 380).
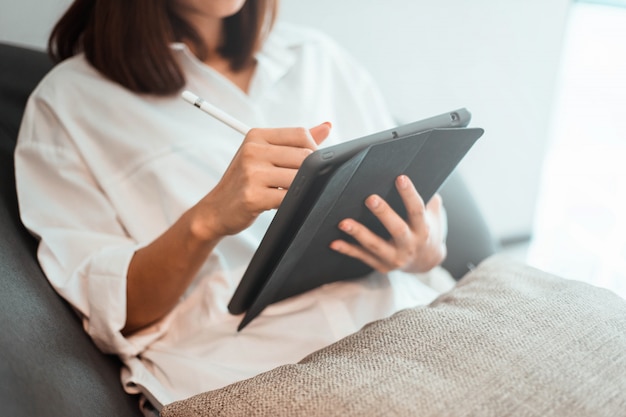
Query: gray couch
point(48, 365)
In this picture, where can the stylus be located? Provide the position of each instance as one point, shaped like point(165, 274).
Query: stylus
point(219, 114)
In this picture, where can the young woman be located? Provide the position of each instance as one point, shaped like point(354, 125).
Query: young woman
point(148, 211)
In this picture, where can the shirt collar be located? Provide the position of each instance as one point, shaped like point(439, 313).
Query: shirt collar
point(276, 57)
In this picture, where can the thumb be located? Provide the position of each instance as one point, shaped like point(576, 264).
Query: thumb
point(320, 132)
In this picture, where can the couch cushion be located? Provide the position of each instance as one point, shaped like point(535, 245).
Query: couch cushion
point(508, 340)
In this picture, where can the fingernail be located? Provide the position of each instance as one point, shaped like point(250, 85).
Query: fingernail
point(403, 181)
point(329, 124)
point(373, 202)
point(345, 227)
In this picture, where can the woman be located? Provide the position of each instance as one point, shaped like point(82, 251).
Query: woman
point(148, 211)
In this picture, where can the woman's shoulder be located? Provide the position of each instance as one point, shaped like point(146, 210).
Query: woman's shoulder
point(72, 76)
point(314, 48)
point(299, 37)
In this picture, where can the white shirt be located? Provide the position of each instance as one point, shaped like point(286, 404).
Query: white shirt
point(102, 171)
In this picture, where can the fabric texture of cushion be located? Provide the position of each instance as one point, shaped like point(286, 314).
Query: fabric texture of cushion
point(508, 340)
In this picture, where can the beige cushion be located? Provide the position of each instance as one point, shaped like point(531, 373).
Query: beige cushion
point(509, 340)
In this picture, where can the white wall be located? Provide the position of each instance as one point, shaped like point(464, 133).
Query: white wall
point(28, 22)
point(580, 227)
point(498, 58)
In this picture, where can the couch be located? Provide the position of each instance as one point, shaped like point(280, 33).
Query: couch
point(49, 366)
point(478, 350)
point(508, 340)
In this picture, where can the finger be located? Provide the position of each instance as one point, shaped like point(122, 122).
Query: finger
point(413, 203)
point(395, 225)
point(257, 199)
point(345, 248)
point(439, 209)
point(370, 241)
point(275, 177)
point(297, 137)
point(286, 156)
point(272, 198)
point(435, 204)
point(320, 132)
point(436, 213)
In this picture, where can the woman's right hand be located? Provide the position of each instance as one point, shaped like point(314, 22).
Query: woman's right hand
point(257, 178)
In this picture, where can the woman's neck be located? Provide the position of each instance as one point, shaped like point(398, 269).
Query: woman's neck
point(210, 31)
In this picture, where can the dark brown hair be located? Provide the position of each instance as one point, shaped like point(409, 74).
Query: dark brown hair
point(129, 40)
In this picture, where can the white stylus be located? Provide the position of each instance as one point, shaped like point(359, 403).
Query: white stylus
point(219, 114)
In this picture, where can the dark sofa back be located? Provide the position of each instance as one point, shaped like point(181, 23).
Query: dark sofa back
point(48, 365)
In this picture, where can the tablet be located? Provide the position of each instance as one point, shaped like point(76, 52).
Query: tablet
point(332, 182)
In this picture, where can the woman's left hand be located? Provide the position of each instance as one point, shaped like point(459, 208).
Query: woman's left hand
point(416, 245)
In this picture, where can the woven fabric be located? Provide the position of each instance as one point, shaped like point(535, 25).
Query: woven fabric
point(509, 340)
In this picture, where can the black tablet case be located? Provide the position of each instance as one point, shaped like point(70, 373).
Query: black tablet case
point(309, 182)
point(427, 158)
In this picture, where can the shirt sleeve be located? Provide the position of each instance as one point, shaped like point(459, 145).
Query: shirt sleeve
point(83, 248)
